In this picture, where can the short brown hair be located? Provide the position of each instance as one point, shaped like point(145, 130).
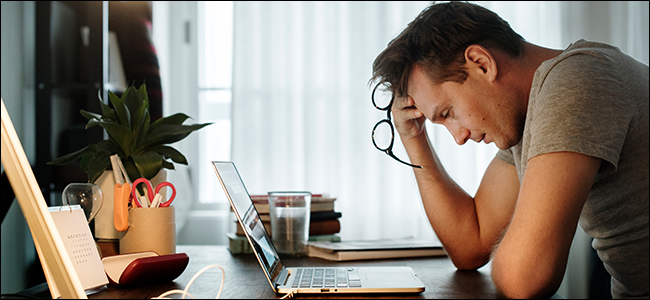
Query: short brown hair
point(437, 39)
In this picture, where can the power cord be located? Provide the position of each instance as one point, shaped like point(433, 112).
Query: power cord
point(184, 292)
point(288, 295)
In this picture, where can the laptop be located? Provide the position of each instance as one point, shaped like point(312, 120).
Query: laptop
point(310, 280)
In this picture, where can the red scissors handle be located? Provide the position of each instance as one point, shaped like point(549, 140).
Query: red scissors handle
point(162, 185)
point(134, 193)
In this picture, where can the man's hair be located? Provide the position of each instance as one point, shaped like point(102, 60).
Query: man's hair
point(436, 40)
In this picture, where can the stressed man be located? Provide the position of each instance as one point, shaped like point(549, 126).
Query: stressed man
point(571, 126)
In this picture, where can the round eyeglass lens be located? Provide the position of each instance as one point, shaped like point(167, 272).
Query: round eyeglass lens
point(382, 97)
point(382, 135)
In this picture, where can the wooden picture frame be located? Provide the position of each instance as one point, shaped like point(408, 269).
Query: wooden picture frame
point(63, 279)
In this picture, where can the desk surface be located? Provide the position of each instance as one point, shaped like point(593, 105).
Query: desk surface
point(245, 278)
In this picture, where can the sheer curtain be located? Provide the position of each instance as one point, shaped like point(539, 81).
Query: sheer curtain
point(302, 115)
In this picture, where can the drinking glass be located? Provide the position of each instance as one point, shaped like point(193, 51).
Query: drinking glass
point(290, 213)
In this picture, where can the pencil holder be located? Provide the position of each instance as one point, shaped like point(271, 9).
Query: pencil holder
point(150, 229)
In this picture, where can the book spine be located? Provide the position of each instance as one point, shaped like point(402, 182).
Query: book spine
point(239, 244)
point(325, 238)
point(316, 198)
point(324, 215)
point(324, 227)
point(263, 208)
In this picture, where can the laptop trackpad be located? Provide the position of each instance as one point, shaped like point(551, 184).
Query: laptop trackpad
point(393, 275)
point(378, 276)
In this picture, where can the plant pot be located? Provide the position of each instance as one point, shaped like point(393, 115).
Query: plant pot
point(150, 229)
point(104, 226)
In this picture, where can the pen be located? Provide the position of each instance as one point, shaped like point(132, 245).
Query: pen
point(143, 202)
point(156, 200)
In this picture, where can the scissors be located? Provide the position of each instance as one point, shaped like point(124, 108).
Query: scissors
point(154, 199)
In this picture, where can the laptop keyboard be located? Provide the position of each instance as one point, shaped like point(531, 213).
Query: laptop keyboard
point(326, 278)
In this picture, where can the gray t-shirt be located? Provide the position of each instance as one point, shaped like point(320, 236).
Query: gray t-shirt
point(593, 99)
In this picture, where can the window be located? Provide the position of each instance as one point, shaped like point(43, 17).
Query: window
point(215, 44)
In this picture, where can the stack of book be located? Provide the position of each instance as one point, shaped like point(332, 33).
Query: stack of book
point(324, 222)
point(375, 249)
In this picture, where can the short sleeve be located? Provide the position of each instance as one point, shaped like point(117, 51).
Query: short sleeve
point(506, 156)
point(580, 107)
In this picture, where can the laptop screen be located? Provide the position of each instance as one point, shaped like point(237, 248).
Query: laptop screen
point(250, 219)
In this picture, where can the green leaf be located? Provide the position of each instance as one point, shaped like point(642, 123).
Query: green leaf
point(73, 157)
point(110, 148)
point(97, 165)
point(168, 134)
point(175, 119)
point(133, 99)
point(145, 129)
point(87, 157)
point(140, 124)
point(120, 134)
point(100, 160)
point(92, 118)
point(167, 165)
point(92, 122)
point(123, 113)
point(131, 170)
point(88, 115)
point(107, 112)
point(173, 154)
point(148, 163)
point(143, 93)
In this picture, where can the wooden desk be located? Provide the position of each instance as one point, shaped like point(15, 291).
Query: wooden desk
point(245, 278)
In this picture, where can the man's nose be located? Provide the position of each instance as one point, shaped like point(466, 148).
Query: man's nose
point(460, 134)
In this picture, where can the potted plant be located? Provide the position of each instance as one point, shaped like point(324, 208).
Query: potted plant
point(141, 145)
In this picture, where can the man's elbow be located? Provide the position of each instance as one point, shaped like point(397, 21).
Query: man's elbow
point(523, 291)
point(469, 261)
point(524, 284)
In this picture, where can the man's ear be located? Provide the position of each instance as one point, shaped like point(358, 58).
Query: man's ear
point(479, 58)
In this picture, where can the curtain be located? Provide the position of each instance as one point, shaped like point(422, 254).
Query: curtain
point(302, 115)
point(301, 111)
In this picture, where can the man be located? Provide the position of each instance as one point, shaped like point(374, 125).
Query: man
point(572, 129)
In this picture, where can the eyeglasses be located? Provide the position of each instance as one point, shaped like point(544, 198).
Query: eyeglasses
point(385, 125)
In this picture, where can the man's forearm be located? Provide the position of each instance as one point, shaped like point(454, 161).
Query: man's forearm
point(451, 211)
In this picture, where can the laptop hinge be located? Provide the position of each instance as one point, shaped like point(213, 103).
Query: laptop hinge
point(282, 278)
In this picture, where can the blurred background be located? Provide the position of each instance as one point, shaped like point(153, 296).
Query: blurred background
point(286, 85)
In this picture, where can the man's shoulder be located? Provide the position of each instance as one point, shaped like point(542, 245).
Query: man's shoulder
point(587, 58)
point(596, 46)
point(587, 66)
point(579, 60)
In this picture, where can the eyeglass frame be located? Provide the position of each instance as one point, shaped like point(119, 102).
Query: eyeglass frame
point(389, 150)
